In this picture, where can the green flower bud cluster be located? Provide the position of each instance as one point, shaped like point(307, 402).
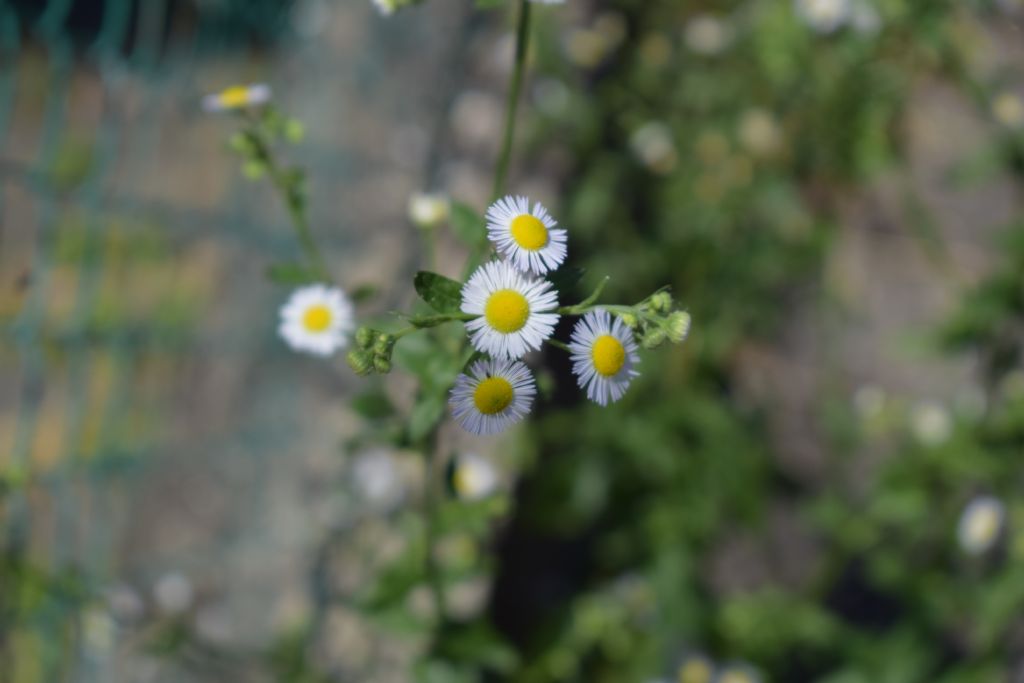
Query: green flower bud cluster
point(267, 128)
point(372, 353)
point(654, 321)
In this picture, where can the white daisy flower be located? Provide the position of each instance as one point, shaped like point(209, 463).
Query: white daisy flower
point(529, 239)
point(695, 668)
point(472, 477)
point(317, 319)
point(377, 477)
point(824, 16)
point(604, 354)
point(981, 524)
point(494, 395)
point(428, 210)
point(237, 97)
point(931, 423)
point(515, 310)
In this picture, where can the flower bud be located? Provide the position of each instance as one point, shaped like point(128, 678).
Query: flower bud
point(678, 326)
point(629, 319)
point(383, 344)
point(654, 338)
point(364, 337)
point(361, 362)
point(382, 364)
point(662, 302)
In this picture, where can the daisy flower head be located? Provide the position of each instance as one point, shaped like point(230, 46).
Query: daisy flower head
point(738, 673)
point(604, 355)
point(981, 524)
point(317, 319)
point(472, 477)
point(492, 396)
point(526, 237)
point(823, 16)
point(237, 97)
point(695, 668)
point(515, 311)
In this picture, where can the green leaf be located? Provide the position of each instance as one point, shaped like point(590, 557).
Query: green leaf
point(443, 294)
point(373, 405)
point(291, 274)
point(425, 416)
point(469, 226)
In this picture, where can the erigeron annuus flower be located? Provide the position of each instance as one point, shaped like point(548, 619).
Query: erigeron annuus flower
point(823, 16)
point(515, 311)
point(492, 396)
point(317, 319)
point(428, 210)
point(472, 477)
point(237, 97)
point(526, 237)
point(981, 524)
point(695, 669)
point(604, 355)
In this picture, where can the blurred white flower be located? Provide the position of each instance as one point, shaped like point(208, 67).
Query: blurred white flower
point(653, 146)
point(695, 668)
point(376, 476)
point(428, 210)
point(738, 673)
point(173, 593)
point(931, 423)
point(759, 132)
point(472, 477)
point(1008, 110)
point(981, 524)
point(823, 16)
point(237, 97)
point(707, 35)
point(99, 631)
point(386, 7)
point(124, 603)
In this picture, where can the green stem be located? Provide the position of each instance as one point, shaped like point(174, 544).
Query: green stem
point(431, 500)
point(580, 309)
point(288, 184)
point(522, 41)
point(420, 322)
point(559, 345)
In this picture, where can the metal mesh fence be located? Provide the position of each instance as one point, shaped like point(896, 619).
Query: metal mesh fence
point(144, 400)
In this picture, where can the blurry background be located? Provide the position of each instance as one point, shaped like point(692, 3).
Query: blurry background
point(832, 188)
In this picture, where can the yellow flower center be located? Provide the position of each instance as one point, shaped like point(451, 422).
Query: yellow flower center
point(492, 395)
point(529, 232)
point(695, 671)
point(507, 311)
point(609, 355)
point(317, 318)
point(236, 96)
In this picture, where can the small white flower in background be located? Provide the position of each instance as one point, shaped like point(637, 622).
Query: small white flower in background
point(428, 210)
point(124, 603)
point(1008, 110)
point(237, 97)
point(707, 35)
point(652, 145)
point(99, 631)
point(981, 524)
point(173, 593)
point(527, 237)
point(492, 396)
point(386, 7)
point(759, 133)
point(738, 673)
point(472, 477)
point(823, 16)
point(604, 355)
point(516, 312)
point(377, 478)
point(931, 423)
point(695, 668)
point(317, 319)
